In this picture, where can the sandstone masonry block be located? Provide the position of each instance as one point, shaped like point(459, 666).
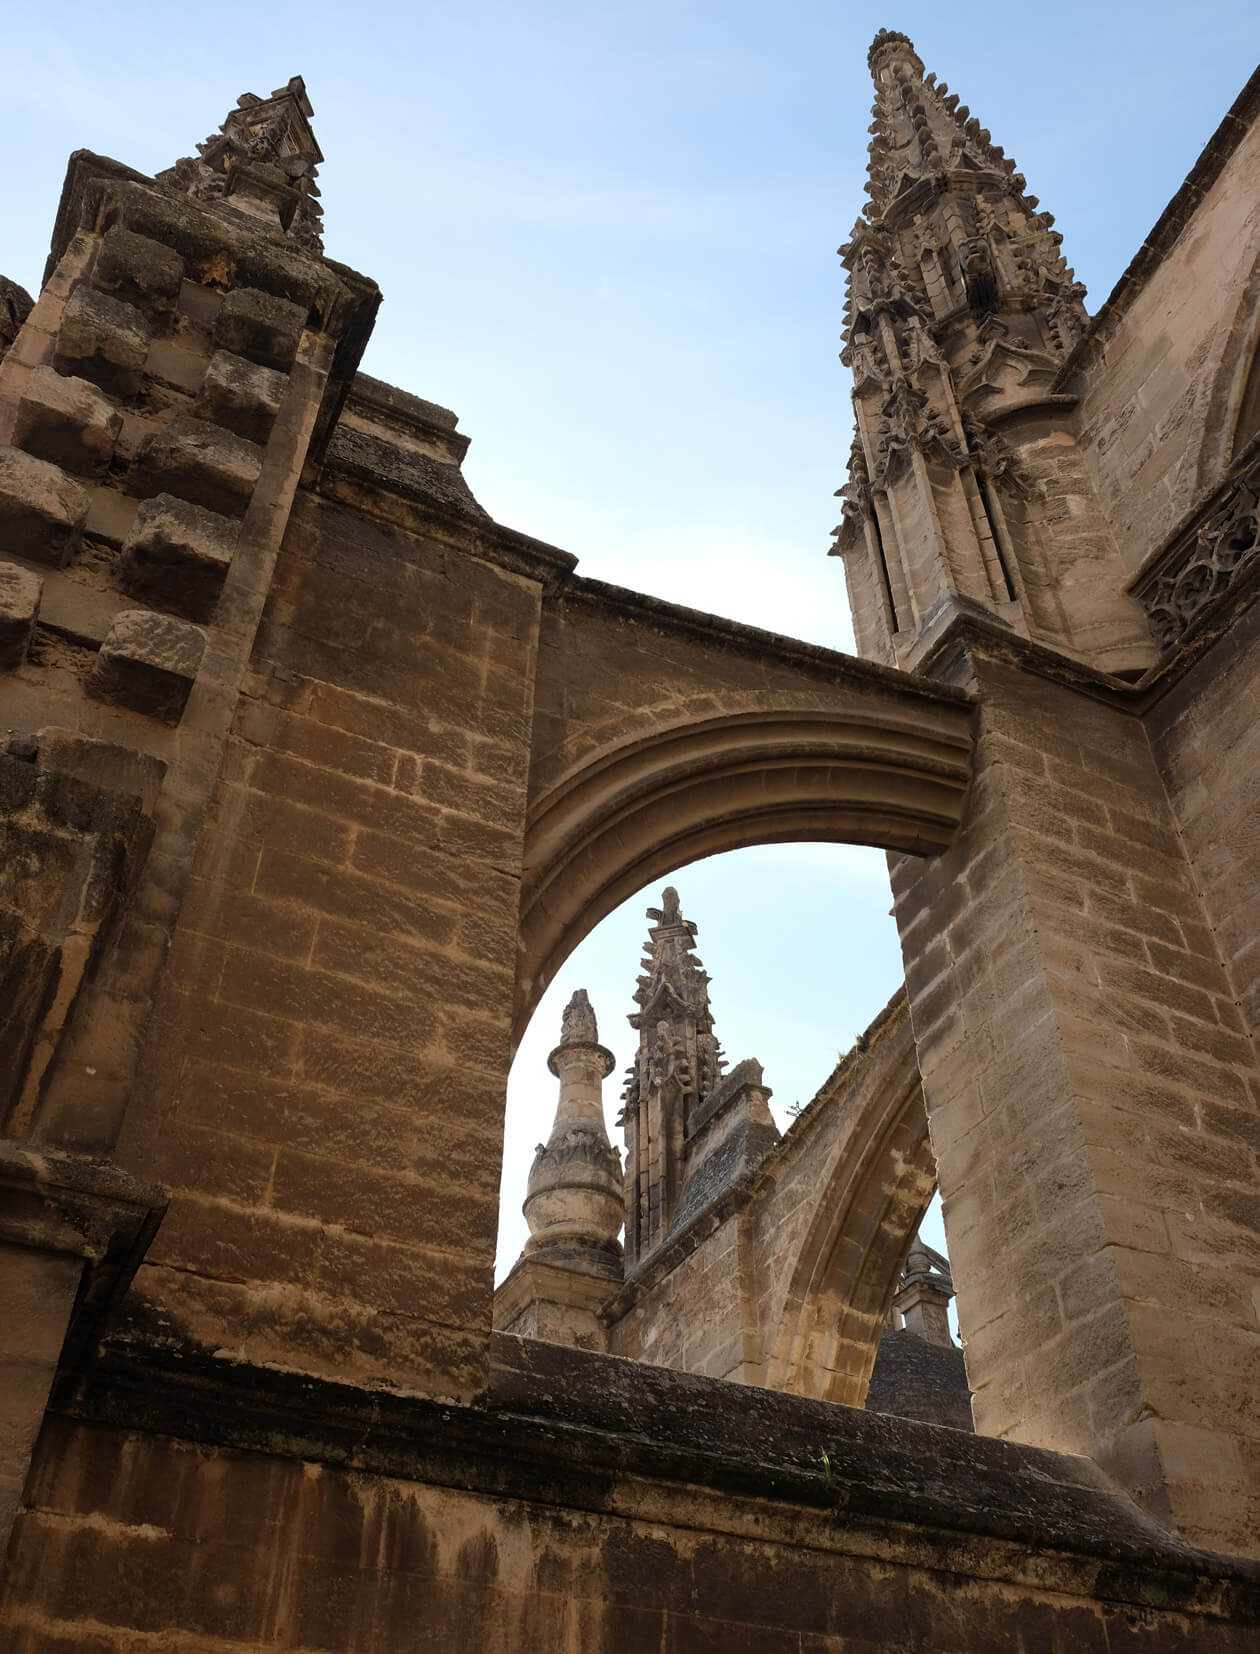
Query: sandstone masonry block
point(19, 604)
point(42, 510)
point(178, 554)
point(68, 422)
point(240, 396)
point(104, 340)
point(139, 271)
point(147, 662)
point(264, 329)
point(200, 462)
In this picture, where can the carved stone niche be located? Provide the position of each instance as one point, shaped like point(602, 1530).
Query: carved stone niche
point(76, 822)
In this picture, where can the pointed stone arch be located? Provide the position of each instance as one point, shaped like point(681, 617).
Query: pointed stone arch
point(823, 1334)
point(662, 736)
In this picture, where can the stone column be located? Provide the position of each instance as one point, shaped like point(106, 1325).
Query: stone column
point(574, 1203)
point(922, 1299)
point(1090, 1094)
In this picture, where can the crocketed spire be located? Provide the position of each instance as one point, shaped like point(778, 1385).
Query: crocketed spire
point(960, 313)
point(678, 1062)
point(935, 172)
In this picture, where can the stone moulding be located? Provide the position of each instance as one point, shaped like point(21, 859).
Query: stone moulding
point(1207, 558)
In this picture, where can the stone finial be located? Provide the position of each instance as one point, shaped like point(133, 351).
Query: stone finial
point(263, 160)
point(923, 1294)
point(889, 44)
point(675, 989)
point(574, 1201)
point(578, 1025)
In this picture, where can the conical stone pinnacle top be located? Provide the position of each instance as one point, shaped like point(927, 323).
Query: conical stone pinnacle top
point(578, 1025)
point(889, 44)
point(579, 1031)
point(919, 129)
point(949, 224)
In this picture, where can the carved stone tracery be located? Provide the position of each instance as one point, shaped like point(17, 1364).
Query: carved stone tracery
point(1205, 562)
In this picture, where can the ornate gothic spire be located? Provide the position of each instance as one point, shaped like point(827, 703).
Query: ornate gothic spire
point(678, 1063)
point(263, 159)
point(574, 1203)
point(960, 315)
point(936, 173)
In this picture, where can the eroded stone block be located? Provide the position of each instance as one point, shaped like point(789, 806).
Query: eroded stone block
point(178, 554)
point(240, 396)
point(68, 422)
point(42, 510)
point(197, 461)
point(104, 340)
point(19, 605)
point(260, 327)
point(147, 662)
point(139, 271)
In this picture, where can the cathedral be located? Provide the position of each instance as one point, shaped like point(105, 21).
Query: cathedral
point(312, 777)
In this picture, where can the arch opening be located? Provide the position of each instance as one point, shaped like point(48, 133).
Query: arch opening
point(803, 955)
point(637, 811)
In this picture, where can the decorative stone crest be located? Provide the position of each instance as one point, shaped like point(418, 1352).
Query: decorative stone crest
point(264, 158)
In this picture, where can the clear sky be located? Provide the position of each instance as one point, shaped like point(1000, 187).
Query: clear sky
point(606, 237)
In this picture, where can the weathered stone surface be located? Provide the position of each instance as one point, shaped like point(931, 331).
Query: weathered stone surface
point(16, 305)
point(178, 554)
point(42, 510)
point(19, 605)
point(262, 328)
point(915, 1379)
point(147, 662)
point(240, 396)
point(209, 246)
point(66, 421)
point(104, 340)
point(200, 462)
point(139, 271)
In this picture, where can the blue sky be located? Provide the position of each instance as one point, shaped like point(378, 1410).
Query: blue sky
point(606, 238)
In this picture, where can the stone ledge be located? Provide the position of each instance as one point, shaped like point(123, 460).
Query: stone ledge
point(67, 422)
point(147, 662)
point(569, 1429)
point(20, 592)
point(42, 510)
point(89, 1209)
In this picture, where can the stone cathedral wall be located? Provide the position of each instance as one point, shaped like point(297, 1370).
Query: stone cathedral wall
point(1161, 371)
